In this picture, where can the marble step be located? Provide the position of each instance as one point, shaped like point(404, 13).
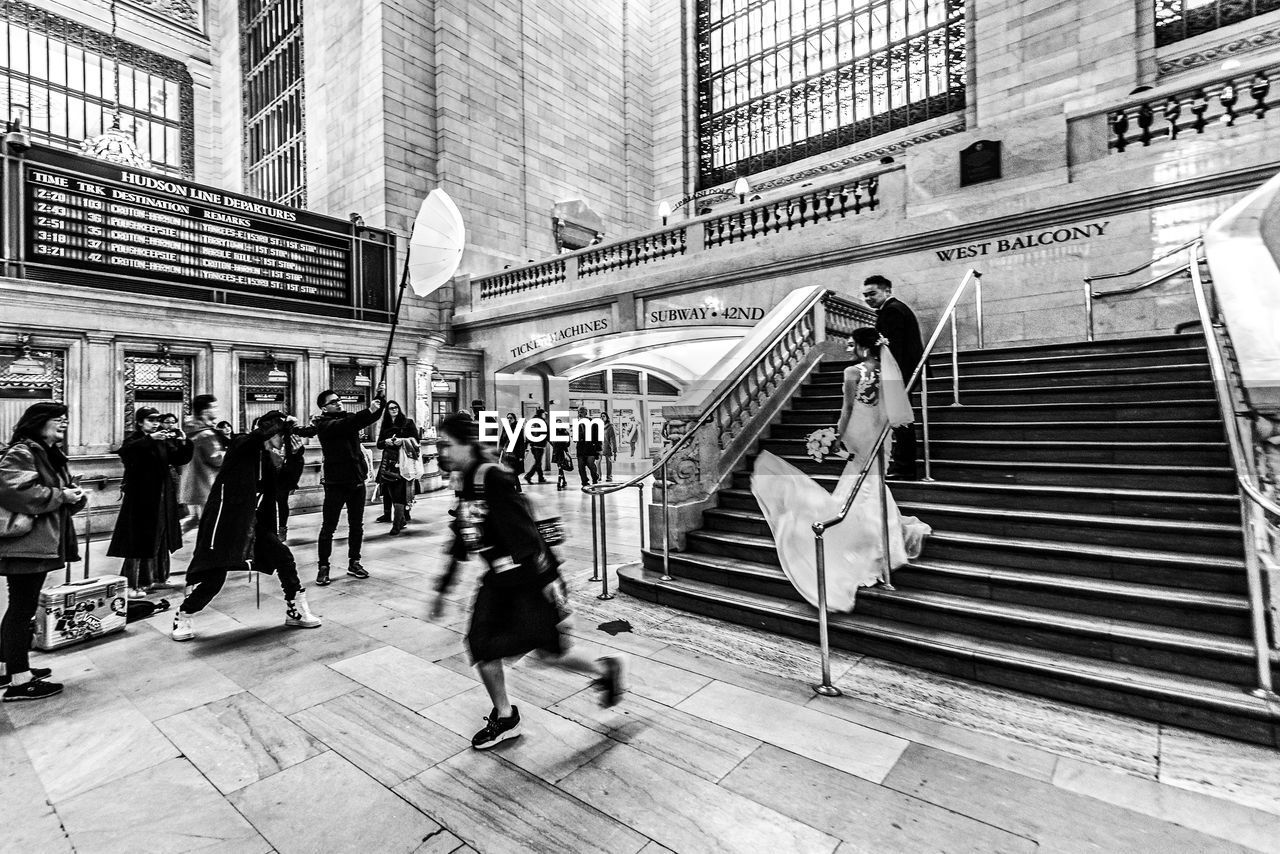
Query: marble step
point(1147, 504)
point(1146, 452)
point(1137, 566)
point(1208, 705)
point(1208, 430)
point(1211, 538)
point(977, 362)
point(1225, 614)
point(1200, 409)
point(1016, 377)
point(1216, 479)
point(817, 397)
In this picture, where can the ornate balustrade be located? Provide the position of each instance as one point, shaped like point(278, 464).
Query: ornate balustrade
point(1164, 116)
point(632, 253)
point(823, 204)
point(522, 279)
point(808, 208)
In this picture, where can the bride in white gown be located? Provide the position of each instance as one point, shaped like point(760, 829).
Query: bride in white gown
point(874, 395)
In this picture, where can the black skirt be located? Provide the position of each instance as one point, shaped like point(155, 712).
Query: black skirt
point(512, 620)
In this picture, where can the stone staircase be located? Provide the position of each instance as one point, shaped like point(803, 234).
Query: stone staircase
point(1086, 544)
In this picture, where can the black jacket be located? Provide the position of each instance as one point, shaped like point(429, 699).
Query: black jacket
point(344, 462)
point(242, 501)
point(149, 492)
point(896, 321)
point(505, 527)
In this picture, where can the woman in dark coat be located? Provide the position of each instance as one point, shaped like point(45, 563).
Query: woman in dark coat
point(240, 527)
point(513, 451)
point(521, 601)
point(34, 481)
point(538, 447)
point(396, 431)
point(147, 530)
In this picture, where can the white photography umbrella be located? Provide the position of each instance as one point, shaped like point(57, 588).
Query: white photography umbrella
point(435, 251)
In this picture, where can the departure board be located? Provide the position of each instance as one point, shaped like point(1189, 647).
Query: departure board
point(90, 216)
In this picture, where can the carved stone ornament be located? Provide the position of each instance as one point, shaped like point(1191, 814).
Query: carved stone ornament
point(1217, 53)
point(724, 192)
point(182, 11)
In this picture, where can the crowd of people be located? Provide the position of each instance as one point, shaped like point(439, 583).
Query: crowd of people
point(233, 491)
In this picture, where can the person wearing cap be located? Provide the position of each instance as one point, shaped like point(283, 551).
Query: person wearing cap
point(34, 482)
point(343, 474)
point(240, 528)
point(147, 530)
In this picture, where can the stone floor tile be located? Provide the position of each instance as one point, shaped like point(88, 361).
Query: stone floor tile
point(28, 819)
point(73, 753)
point(410, 634)
point(1061, 728)
point(535, 683)
point(166, 808)
point(867, 817)
point(1245, 773)
point(833, 741)
point(442, 842)
point(302, 686)
point(1053, 817)
point(685, 812)
point(327, 804)
point(239, 740)
point(495, 807)
point(382, 738)
point(404, 677)
point(1000, 752)
point(329, 643)
point(708, 665)
point(681, 739)
point(549, 746)
point(1205, 813)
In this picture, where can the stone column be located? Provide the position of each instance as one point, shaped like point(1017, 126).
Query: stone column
point(222, 381)
point(425, 363)
point(98, 415)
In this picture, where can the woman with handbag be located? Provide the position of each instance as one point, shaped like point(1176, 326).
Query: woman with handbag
point(513, 455)
point(397, 432)
point(521, 606)
point(37, 498)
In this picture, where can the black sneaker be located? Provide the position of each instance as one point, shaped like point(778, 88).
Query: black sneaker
point(383, 518)
point(497, 730)
point(322, 576)
point(36, 689)
point(356, 570)
point(610, 685)
point(36, 673)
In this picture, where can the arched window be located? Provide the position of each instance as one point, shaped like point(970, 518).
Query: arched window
point(661, 387)
point(781, 80)
point(589, 383)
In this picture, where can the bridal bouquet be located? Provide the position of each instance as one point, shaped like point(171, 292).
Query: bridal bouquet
point(820, 442)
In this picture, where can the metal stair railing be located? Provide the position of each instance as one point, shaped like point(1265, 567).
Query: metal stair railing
point(876, 457)
point(1090, 295)
point(731, 405)
point(1255, 505)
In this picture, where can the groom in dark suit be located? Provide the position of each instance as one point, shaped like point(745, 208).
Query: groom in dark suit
point(897, 322)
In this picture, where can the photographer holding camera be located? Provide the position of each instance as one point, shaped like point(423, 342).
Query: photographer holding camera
point(147, 529)
point(241, 523)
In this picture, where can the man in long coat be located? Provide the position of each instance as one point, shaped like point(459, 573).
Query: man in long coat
point(147, 531)
point(897, 322)
point(240, 527)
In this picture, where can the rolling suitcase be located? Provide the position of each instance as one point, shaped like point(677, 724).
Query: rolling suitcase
point(80, 610)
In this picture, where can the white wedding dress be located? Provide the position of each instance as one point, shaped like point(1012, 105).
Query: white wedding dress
point(792, 501)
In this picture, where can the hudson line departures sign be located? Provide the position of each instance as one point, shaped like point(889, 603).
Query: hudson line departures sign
point(88, 216)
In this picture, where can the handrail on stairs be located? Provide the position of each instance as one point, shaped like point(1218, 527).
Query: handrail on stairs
point(1253, 501)
point(876, 457)
point(658, 472)
point(1090, 294)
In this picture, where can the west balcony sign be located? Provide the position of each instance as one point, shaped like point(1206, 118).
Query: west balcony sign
point(1029, 240)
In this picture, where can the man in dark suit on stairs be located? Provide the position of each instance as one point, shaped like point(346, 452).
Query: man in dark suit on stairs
point(897, 322)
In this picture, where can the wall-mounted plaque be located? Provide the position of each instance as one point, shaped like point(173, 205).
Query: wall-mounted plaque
point(980, 162)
